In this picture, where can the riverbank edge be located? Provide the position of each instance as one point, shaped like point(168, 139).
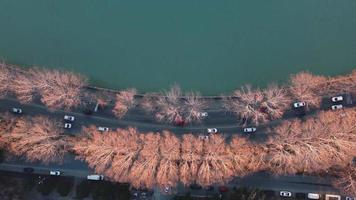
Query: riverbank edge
point(205, 97)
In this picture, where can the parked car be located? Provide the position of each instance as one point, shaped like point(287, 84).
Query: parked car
point(95, 177)
point(28, 170)
point(203, 137)
point(299, 104)
point(336, 107)
point(313, 196)
point(212, 130)
point(103, 129)
point(195, 187)
point(54, 173)
point(332, 197)
point(337, 99)
point(203, 114)
point(69, 118)
point(67, 125)
point(250, 130)
point(16, 110)
point(285, 194)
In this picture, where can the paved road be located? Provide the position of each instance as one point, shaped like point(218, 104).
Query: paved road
point(225, 122)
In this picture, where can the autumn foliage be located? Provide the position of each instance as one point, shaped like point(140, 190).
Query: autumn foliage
point(36, 139)
point(124, 101)
point(171, 106)
point(258, 106)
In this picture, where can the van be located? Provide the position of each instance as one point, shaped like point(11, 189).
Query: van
point(313, 196)
point(95, 177)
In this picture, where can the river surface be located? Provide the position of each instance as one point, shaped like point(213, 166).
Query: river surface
point(212, 46)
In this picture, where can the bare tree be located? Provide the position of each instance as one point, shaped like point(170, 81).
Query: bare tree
point(4, 79)
point(248, 157)
point(111, 154)
point(22, 86)
point(59, 89)
point(171, 107)
point(346, 179)
point(304, 88)
point(144, 169)
point(313, 145)
point(168, 170)
point(256, 105)
point(216, 162)
point(38, 139)
point(192, 150)
point(124, 101)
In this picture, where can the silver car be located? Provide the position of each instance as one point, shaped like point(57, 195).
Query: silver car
point(67, 125)
point(54, 173)
point(299, 104)
point(285, 194)
point(212, 130)
point(69, 118)
point(16, 110)
point(336, 107)
point(103, 129)
point(337, 99)
point(250, 130)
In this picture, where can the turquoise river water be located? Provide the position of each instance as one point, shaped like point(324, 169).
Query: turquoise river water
point(212, 46)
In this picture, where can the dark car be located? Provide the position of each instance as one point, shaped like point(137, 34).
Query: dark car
point(195, 187)
point(28, 170)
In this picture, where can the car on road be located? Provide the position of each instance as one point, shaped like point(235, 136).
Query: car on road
point(313, 196)
point(336, 107)
point(95, 177)
point(69, 118)
point(250, 130)
point(337, 99)
point(212, 130)
point(16, 110)
point(203, 114)
point(28, 170)
point(103, 129)
point(285, 194)
point(54, 173)
point(67, 125)
point(299, 104)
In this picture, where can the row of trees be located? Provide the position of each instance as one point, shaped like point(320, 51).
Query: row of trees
point(56, 89)
point(322, 143)
point(65, 90)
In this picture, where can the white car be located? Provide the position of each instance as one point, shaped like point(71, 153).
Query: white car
point(336, 99)
point(336, 107)
point(16, 110)
point(212, 130)
point(95, 177)
point(313, 196)
point(67, 125)
point(299, 104)
point(69, 118)
point(250, 130)
point(285, 194)
point(54, 173)
point(103, 129)
point(203, 114)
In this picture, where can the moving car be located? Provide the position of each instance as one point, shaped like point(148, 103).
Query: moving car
point(203, 114)
point(336, 107)
point(69, 118)
point(54, 173)
point(299, 104)
point(313, 196)
point(95, 177)
point(336, 99)
point(16, 110)
point(103, 129)
point(250, 130)
point(67, 125)
point(285, 194)
point(212, 130)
